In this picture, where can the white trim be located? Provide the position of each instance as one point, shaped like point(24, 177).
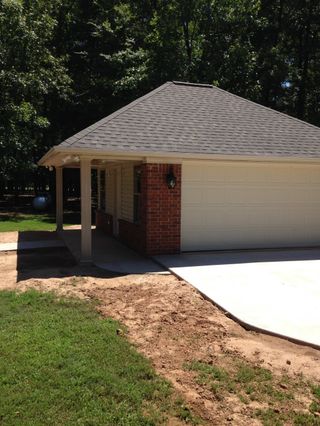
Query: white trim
point(164, 156)
point(85, 183)
point(253, 161)
point(117, 205)
point(163, 160)
point(59, 199)
point(99, 188)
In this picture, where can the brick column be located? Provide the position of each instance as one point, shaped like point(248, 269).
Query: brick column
point(160, 209)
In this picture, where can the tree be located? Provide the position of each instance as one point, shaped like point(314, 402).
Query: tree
point(66, 64)
point(29, 75)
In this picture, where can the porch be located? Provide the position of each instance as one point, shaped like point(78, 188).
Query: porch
point(63, 249)
point(135, 204)
point(88, 244)
point(110, 254)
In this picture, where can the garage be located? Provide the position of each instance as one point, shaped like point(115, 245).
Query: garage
point(243, 204)
point(199, 169)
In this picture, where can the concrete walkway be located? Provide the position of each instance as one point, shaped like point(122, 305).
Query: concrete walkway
point(107, 252)
point(277, 291)
point(110, 254)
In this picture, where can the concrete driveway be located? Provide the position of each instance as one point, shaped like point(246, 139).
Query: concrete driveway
point(277, 291)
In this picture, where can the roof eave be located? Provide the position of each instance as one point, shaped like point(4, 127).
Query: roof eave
point(44, 159)
point(49, 158)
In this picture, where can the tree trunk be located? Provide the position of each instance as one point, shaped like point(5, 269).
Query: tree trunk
point(187, 42)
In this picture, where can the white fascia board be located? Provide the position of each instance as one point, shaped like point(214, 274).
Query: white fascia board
point(46, 156)
point(172, 157)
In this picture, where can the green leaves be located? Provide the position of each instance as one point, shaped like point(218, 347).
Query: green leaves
point(66, 64)
point(31, 72)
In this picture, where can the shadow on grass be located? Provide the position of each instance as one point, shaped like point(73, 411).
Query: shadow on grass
point(54, 263)
point(69, 218)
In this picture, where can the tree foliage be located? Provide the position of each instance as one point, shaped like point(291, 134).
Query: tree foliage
point(66, 64)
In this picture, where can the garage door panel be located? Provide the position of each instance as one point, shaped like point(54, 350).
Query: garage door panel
point(242, 217)
point(263, 194)
point(256, 215)
point(242, 206)
point(250, 238)
point(258, 172)
point(193, 196)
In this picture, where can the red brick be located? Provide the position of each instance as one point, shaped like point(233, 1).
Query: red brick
point(159, 228)
point(104, 221)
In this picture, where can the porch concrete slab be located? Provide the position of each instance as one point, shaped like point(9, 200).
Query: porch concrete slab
point(277, 291)
point(110, 254)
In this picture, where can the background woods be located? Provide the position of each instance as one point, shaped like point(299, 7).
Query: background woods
point(66, 64)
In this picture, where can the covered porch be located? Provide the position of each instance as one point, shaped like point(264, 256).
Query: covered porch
point(114, 187)
point(110, 254)
point(138, 199)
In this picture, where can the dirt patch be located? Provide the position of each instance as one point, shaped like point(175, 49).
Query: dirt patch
point(173, 325)
point(9, 237)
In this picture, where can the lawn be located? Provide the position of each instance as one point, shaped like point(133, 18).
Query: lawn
point(33, 222)
point(62, 363)
point(27, 222)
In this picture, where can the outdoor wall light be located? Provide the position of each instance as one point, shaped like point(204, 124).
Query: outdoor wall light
point(171, 179)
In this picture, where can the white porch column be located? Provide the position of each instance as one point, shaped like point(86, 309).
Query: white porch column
point(59, 198)
point(85, 182)
point(99, 188)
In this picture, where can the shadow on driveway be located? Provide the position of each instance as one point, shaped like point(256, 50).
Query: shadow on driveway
point(230, 257)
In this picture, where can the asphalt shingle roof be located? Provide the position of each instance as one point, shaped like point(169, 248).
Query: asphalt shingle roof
point(199, 119)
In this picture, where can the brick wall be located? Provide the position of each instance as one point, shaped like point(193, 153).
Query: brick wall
point(133, 235)
point(160, 209)
point(158, 231)
point(104, 221)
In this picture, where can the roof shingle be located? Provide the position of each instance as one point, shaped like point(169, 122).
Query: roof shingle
point(185, 118)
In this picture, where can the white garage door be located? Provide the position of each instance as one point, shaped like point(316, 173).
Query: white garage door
point(249, 205)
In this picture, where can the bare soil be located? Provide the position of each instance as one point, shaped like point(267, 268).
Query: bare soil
point(173, 325)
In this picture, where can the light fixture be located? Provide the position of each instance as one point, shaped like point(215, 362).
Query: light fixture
point(171, 179)
point(66, 159)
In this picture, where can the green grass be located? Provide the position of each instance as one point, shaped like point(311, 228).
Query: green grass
point(316, 391)
point(61, 363)
point(27, 222)
point(271, 418)
point(32, 222)
point(251, 383)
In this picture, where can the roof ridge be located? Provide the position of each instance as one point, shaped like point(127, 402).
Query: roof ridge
point(268, 108)
point(186, 83)
point(117, 113)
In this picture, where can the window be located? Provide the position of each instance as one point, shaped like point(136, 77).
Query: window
point(137, 194)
